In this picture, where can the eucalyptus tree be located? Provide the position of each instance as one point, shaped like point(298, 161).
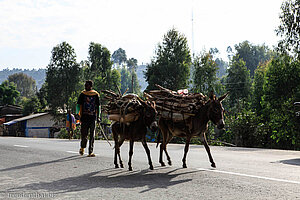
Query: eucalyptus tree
point(62, 76)
point(170, 67)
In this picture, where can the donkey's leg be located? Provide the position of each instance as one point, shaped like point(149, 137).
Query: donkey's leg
point(165, 149)
point(117, 148)
point(186, 149)
point(130, 154)
point(148, 152)
point(203, 140)
point(161, 154)
point(120, 160)
point(117, 151)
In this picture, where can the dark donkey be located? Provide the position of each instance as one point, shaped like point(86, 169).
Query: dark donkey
point(195, 126)
point(135, 131)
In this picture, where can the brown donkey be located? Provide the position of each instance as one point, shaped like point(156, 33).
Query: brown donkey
point(195, 126)
point(135, 131)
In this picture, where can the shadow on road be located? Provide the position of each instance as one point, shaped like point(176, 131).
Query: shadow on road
point(113, 178)
point(291, 161)
point(22, 167)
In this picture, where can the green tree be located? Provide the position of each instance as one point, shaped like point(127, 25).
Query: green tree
point(31, 105)
point(119, 56)
point(170, 67)
point(281, 90)
point(8, 93)
point(42, 95)
point(289, 28)
point(205, 70)
point(258, 87)
point(253, 55)
point(25, 84)
point(238, 82)
point(99, 63)
point(127, 79)
point(62, 76)
point(132, 64)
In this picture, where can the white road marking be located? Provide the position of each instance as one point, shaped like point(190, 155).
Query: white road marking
point(247, 175)
point(16, 145)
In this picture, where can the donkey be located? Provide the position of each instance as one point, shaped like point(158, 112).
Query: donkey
point(135, 131)
point(195, 126)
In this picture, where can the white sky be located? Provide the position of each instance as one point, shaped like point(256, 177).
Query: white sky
point(29, 29)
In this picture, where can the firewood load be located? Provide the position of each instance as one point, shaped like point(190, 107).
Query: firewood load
point(122, 108)
point(176, 106)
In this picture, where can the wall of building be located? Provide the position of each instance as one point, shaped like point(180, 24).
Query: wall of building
point(39, 126)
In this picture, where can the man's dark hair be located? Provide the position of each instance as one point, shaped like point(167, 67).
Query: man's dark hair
point(90, 82)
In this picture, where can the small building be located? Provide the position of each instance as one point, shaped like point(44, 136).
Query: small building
point(8, 113)
point(35, 125)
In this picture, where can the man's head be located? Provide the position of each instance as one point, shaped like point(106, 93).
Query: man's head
point(88, 85)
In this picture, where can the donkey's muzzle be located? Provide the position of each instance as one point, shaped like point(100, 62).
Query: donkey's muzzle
point(154, 126)
point(220, 124)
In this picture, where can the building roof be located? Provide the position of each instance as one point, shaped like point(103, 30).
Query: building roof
point(10, 109)
point(25, 118)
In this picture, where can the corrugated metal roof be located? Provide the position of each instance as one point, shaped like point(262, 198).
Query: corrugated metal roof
point(25, 118)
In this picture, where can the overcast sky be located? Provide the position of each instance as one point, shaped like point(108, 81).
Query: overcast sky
point(29, 29)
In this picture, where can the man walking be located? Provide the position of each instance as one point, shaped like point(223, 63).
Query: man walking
point(88, 109)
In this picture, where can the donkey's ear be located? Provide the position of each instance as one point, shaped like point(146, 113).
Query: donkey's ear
point(223, 97)
point(211, 95)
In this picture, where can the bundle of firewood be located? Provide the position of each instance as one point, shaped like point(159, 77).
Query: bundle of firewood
point(174, 105)
point(122, 108)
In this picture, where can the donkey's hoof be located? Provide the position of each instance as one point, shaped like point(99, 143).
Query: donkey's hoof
point(151, 167)
point(184, 166)
point(130, 168)
point(170, 163)
point(116, 166)
point(121, 165)
point(162, 164)
point(213, 165)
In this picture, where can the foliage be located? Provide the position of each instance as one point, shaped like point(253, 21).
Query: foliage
point(62, 76)
point(244, 129)
point(205, 69)
point(252, 55)
point(222, 67)
point(25, 84)
point(99, 61)
point(238, 81)
point(132, 64)
point(129, 79)
point(289, 27)
point(258, 84)
point(170, 67)
point(42, 95)
point(281, 90)
point(8, 93)
point(119, 56)
point(31, 105)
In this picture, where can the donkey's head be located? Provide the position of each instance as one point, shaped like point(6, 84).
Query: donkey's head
point(149, 114)
point(215, 110)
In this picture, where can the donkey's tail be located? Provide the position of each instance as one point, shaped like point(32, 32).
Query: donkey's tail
point(158, 138)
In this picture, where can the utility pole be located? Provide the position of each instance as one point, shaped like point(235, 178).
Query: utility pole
point(193, 47)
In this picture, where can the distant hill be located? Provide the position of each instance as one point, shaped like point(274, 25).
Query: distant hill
point(38, 75)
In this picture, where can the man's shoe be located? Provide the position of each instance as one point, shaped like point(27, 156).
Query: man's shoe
point(91, 155)
point(81, 151)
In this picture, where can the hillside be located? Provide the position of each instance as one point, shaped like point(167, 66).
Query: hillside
point(38, 75)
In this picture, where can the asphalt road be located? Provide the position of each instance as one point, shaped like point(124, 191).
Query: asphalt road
point(35, 168)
